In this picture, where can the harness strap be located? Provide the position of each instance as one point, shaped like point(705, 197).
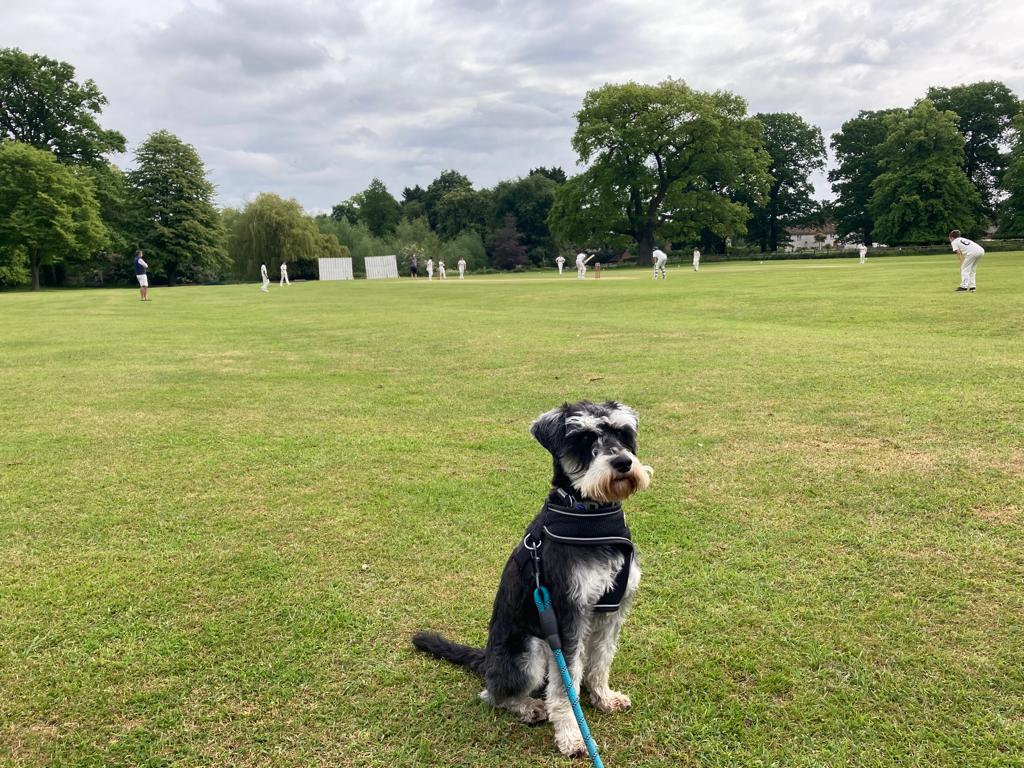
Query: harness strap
point(579, 524)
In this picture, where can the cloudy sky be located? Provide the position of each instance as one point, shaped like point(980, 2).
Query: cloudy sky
point(312, 99)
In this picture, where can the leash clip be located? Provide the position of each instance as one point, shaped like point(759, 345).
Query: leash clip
point(534, 550)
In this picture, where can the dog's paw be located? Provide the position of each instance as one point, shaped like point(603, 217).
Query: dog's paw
point(571, 744)
point(534, 712)
point(612, 701)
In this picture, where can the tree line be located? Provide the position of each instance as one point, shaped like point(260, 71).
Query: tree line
point(662, 164)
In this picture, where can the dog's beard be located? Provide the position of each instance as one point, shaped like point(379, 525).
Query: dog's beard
point(601, 482)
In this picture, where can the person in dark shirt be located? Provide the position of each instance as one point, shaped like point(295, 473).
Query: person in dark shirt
point(140, 275)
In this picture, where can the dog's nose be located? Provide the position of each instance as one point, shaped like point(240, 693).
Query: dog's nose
point(622, 463)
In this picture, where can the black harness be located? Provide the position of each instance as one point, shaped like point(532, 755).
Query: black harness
point(569, 522)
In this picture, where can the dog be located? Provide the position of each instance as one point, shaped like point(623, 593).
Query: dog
point(587, 562)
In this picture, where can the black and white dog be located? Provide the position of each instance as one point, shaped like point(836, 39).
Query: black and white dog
point(587, 562)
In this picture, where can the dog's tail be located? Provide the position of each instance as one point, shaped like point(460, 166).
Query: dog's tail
point(442, 648)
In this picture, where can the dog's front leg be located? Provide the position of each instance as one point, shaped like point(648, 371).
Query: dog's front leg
point(601, 647)
point(568, 738)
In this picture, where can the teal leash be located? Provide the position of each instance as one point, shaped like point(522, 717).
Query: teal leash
point(549, 626)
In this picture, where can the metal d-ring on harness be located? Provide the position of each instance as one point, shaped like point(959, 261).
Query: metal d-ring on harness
point(549, 626)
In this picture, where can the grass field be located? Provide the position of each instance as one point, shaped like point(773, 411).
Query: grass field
point(223, 513)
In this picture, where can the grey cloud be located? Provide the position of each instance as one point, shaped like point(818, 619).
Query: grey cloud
point(261, 39)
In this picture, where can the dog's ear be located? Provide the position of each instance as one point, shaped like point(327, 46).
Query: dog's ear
point(549, 428)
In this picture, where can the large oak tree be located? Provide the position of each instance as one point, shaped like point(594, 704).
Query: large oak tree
point(922, 191)
point(856, 147)
point(985, 113)
point(665, 162)
point(796, 150)
point(42, 104)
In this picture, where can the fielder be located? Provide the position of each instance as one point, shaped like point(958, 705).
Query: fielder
point(863, 251)
point(560, 261)
point(265, 287)
point(969, 253)
point(430, 269)
point(660, 259)
point(441, 274)
point(696, 260)
point(284, 275)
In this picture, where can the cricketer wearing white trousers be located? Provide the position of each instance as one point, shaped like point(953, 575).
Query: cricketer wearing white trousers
point(581, 266)
point(560, 261)
point(696, 260)
point(441, 274)
point(430, 269)
point(660, 259)
point(863, 251)
point(462, 269)
point(265, 287)
point(284, 274)
point(970, 254)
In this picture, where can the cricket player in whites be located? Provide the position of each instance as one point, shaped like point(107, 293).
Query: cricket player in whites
point(660, 258)
point(560, 261)
point(581, 264)
point(696, 260)
point(284, 275)
point(265, 286)
point(863, 251)
point(969, 253)
point(462, 268)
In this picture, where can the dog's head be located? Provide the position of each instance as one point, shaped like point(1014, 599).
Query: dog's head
point(594, 449)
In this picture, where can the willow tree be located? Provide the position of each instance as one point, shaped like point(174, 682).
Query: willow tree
point(664, 163)
point(270, 230)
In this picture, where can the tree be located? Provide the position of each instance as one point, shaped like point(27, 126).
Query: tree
point(508, 253)
point(448, 181)
point(554, 173)
point(415, 236)
point(664, 161)
point(356, 238)
point(529, 200)
point(469, 246)
point(48, 212)
point(460, 209)
point(413, 205)
point(41, 104)
point(347, 210)
point(985, 113)
point(175, 219)
point(796, 150)
point(110, 262)
point(1011, 210)
point(378, 209)
point(856, 147)
point(922, 192)
point(270, 230)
